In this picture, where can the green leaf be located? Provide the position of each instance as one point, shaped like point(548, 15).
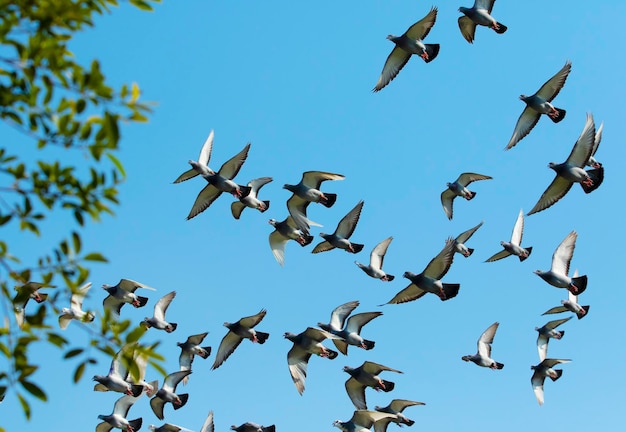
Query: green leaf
point(34, 389)
point(78, 373)
point(73, 353)
point(25, 406)
point(95, 256)
point(57, 340)
point(117, 164)
point(136, 334)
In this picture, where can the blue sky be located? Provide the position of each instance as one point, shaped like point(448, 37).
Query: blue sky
point(295, 81)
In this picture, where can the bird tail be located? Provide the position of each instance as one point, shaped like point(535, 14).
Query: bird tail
point(267, 205)
point(208, 352)
point(270, 428)
point(409, 422)
point(471, 196)
point(500, 28)
point(432, 50)
point(469, 252)
point(136, 389)
point(580, 283)
point(450, 291)
point(368, 344)
point(596, 176)
point(173, 326)
point(390, 277)
point(581, 315)
point(560, 117)
point(245, 191)
point(42, 298)
point(136, 424)
point(142, 301)
point(332, 354)
point(357, 247)
point(261, 337)
point(183, 400)
point(330, 200)
point(388, 386)
point(559, 372)
point(499, 365)
point(307, 240)
point(529, 250)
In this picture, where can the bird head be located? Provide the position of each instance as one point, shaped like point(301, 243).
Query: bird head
point(523, 97)
point(272, 222)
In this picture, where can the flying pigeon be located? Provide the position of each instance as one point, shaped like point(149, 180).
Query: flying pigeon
point(158, 319)
point(557, 275)
point(458, 188)
point(75, 310)
point(285, 231)
point(124, 292)
point(203, 161)
point(116, 379)
point(375, 267)
point(137, 374)
point(514, 247)
point(307, 191)
point(396, 406)
point(304, 345)
point(168, 427)
point(362, 421)
point(571, 304)
point(538, 104)
point(483, 356)
point(209, 425)
point(543, 370)
point(349, 330)
point(479, 14)
point(345, 228)
point(459, 242)
point(364, 376)
point(167, 393)
point(29, 290)
point(118, 418)
point(189, 349)
point(430, 279)
point(253, 427)
point(237, 331)
point(251, 200)
point(571, 171)
point(545, 333)
point(406, 45)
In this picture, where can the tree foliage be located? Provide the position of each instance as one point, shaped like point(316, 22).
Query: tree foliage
point(55, 101)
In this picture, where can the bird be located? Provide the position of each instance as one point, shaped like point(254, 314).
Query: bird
point(514, 247)
point(571, 304)
point(75, 311)
point(202, 165)
point(283, 232)
point(137, 373)
point(540, 103)
point(305, 344)
point(345, 228)
point(251, 200)
point(364, 376)
point(557, 275)
point(479, 14)
point(375, 267)
point(123, 292)
point(191, 348)
point(117, 378)
point(237, 331)
point(592, 162)
point(117, 419)
point(253, 427)
point(409, 43)
point(547, 332)
point(483, 356)
point(571, 171)
point(362, 421)
point(209, 425)
point(458, 188)
point(158, 319)
point(168, 427)
point(430, 279)
point(396, 406)
point(459, 242)
point(167, 393)
point(308, 191)
point(29, 290)
point(349, 330)
point(543, 370)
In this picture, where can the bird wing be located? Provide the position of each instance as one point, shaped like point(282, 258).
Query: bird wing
point(551, 88)
point(420, 29)
point(356, 392)
point(232, 166)
point(484, 4)
point(76, 301)
point(583, 148)
point(597, 139)
point(64, 321)
point(172, 380)
point(298, 360)
point(197, 339)
point(542, 346)
point(297, 209)
point(356, 322)
point(498, 256)
point(468, 177)
point(113, 304)
point(205, 152)
point(400, 404)
point(185, 360)
point(208, 425)
point(486, 339)
point(160, 308)
point(465, 236)
point(378, 253)
point(253, 320)
point(322, 247)
point(318, 334)
point(258, 183)
point(439, 265)
point(204, 199)
point(393, 65)
point(468, 28)
point(537, 383)
point(447, 198)
point(525, 123)
point(131, 285)
point(557, 190)
point(518, 229)
point(554, 324)
point(340, 313)
point(277, 243)
point(366, 418)
point(314, 179)
point(157, 404)
point(563, 254)
point(229, 343)
point(123, 404)
point(556, 309)
point(376, 368)
point(348, 223)
point(410, 293)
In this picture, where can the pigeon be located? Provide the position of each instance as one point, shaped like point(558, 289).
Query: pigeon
point(304, 345)
point(285, 231)
point(251, 200)
point(479, 14)
point(514, 247)
point(158, 319)
point(116, 379)
point(219, 182)
point(545, 333)
point(364, 376)
point(137, 373)
point(538, 104)
point(396, 406)
point(118, 418)
point(167, 427)
point(483, 356)
point(557, 275)
point(362, 421)
point(345, 228)
point(253, 427)
point(237, 331)
point(202, 166)
point(406, 45)
point(543, 370)
point(458, 188)
point(592, 162)
point(307, 191)
point(29, 290)
point(349, 331)
point(189, 349)
point(571, 304)
point(375, 267)
point(124, 292)
point(430, 279)
point(571, 171)
point(209, 425)
point(75, 310)
point(459, 242)
point(167, 394)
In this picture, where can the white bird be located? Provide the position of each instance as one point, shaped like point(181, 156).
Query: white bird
point(375, 267)
point(158, 319)
point(202, 165)
point(251, 200)
point(117, 419)
point(514, 247)
point(557, 275)
point(483, 356)
point(547, 332)
point(124, 292)
point(75, 310)
point(459, 188)
point(543, 370)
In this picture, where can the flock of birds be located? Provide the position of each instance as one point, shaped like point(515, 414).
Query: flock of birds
point(345, 329)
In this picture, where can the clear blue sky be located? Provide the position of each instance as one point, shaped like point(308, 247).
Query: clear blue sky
point(294, 80)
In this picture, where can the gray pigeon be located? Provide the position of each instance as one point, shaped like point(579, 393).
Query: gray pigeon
point(429, 281)
point(75, 311)
point(191, 348)
point(251, 200)
point(209, 425)
point(168, 427)
point(117, 378)
point(345, 228)
point(396, 406)
point(557, 275)
point(543, 370)
point(458, 188)
point(117, 419)
point(479, 14)
point(514, 247)
point(362, 421)
point(237, 332)
point(459, 242)
point(158, 319)
point(124, 292)
point(167, 393)
point(547, 332)
point(571, 305)
point(406, 45)
point(253, 427)
point(364, 376)
point(202, 163)
point(285, 231)
point(375, 267)
point(571, 171)
point(29, 290)
point(483, 356)
point(349, 330)
point(538, 104)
